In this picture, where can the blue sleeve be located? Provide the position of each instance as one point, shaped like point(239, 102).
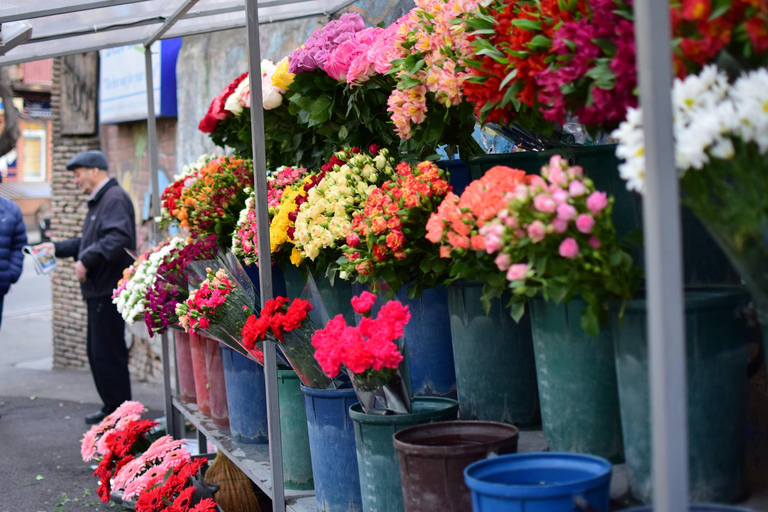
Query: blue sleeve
point(19, 241)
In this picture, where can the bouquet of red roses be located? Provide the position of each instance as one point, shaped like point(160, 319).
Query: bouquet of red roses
point(369, 354)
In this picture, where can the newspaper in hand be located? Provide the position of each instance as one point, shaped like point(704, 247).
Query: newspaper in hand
point(45, 262)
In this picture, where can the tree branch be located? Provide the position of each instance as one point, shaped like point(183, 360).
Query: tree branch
point(11, 129)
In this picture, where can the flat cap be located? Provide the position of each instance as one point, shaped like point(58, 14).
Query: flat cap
point(88, 159)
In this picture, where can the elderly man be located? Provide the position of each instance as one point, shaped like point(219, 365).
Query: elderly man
point(100, 253)
point(13, 236)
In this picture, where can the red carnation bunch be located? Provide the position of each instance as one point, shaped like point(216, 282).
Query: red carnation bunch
point(276, 318)
point(368, 350)
point(216, 111)
point(387, 240)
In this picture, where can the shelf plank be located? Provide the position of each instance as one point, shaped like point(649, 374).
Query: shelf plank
point(252, 459)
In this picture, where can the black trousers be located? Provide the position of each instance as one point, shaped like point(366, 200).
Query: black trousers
point(107, 353)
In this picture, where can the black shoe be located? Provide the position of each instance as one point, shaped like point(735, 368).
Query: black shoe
point(95, 418)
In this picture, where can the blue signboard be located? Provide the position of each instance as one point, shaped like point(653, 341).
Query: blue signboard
point(122, 82)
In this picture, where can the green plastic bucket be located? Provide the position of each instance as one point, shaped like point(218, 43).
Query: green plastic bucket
point(717, 394)
point(297, 463)
point(377, 460)
point(704, 262)
point(577, 381)
point(495, 369)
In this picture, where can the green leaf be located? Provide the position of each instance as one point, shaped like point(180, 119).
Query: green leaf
point(418, 66)
point(517, 311)
point(608, 46)
point(526, 24)
point(512, 74)
point(589, 323)
point(570, 44)
point(720, 11)
point(540, 41)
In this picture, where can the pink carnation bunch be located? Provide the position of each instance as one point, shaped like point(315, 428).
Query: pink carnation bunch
point(369, 348)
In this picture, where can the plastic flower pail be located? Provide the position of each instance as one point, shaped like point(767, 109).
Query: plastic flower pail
point(704, 262)
point(698, 508)
point(332, 446)
point(540, 482)
point(433, 457)
point(197, 349)
point(380, 482)
point(218, 389)
point(246, 396)
point(717, 379)
point(184, 366)
point(577, 381)
point(278, 281)
point(428, 347)
point(458, 172)
point(495, 370)
point(297, 463)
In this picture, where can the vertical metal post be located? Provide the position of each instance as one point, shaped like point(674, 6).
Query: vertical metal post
point(661, 220)
point(170, 417)
point(265, 263)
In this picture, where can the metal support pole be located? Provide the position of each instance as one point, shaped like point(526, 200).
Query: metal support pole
point(265, 263)
point(170, 417)
point(664, 281)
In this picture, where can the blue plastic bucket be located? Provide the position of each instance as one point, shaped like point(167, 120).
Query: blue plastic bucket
point(459, 176)
point(428, 347)
point(278, 280)
point(539, 482)
point(246, 396)
point(332, 448)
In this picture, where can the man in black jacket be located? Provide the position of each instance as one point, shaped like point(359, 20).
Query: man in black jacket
point(100, 254)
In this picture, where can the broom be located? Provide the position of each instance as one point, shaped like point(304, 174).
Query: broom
point(236, 492)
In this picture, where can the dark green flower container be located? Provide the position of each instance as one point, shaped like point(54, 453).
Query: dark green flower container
point(495, 369)
point(377, 460)
point(577, 381)
point(717, 394)
point(297, 463)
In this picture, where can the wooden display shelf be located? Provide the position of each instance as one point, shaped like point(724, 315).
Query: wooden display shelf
point(252, 459)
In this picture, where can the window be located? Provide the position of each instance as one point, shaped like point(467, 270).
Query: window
point(35, 154)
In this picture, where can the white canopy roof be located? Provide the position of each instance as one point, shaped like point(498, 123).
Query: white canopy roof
point(62, 27)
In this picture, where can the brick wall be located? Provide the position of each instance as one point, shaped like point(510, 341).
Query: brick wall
point(67, 212)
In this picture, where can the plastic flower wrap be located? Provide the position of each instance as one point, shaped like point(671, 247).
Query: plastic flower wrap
point(130, 296)
point(369, 353)
point(220, 304)
point(171, 285)
point(289, 325)
point(430, 70)
point(150, 468)
point(325, 219)
point(387, 241)
point(212, 202)
point(555, 237)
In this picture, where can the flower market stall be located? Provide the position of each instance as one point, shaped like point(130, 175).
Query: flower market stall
point(345, 285)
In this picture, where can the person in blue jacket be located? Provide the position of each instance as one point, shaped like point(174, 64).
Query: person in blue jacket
point(100, 257)
point(13, 236)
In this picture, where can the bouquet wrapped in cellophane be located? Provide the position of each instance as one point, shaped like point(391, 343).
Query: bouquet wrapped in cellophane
point(369, 353)
point(220, 304)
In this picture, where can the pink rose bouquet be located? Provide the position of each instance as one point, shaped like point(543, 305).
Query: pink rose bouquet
point(553, 235)
point(315, 51)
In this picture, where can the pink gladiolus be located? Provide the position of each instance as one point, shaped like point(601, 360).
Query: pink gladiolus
point(566, 212)
point(596, 202)
point(503, 261)
point(537, 230)
point(517, 272)
point(569, 248)
point(544, 203)
point(585, 223)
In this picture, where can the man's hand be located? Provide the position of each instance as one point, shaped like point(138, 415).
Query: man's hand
point(46, 246)
point(80, 271)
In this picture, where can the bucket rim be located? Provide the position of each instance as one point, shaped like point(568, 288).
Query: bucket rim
point(538, 491)
point(328, 393)
point(698, 507)
point(448, 405)
point(417, 450)
point(702, 298)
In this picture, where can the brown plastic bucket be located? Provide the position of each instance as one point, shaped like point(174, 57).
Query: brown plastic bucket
point(433, 457)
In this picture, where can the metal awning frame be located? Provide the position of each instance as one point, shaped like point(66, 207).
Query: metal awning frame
point(661, 222)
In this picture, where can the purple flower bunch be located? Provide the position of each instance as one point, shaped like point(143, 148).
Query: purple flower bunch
point(170, 287)
point(315, 51)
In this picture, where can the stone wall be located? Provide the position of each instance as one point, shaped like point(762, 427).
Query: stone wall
point(67, 212)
